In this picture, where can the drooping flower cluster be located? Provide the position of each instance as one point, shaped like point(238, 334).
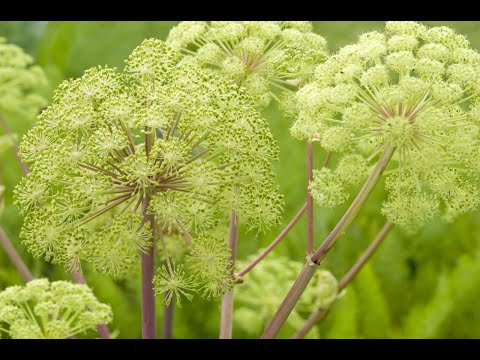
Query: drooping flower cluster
point(260, 56)
point(413, 89)
point(204, 269)
point(264, 289)
point(44, 310)
point(162, 138)
point(19, 80)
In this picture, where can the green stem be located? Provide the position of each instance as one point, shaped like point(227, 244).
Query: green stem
point(308, 271)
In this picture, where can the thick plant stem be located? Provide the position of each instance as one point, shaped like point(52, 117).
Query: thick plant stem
point(149, 329)
point(299, 286)
point(274, 243)
point(290, 301)
point(320, 314)
point(310, 244)
point(15, 147)
point(167, 324)
point(226, 319)
point(14, 257)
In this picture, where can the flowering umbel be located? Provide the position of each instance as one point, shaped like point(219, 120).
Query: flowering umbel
point(19, 80)
point(161, 139)
point(413, 90)
point(260, 56)
point(50, 310)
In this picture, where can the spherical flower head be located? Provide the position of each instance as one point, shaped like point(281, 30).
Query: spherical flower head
point(262, 57)
point(412, 90)
point(19, 82)
point(50, 310)
point(162, 139)
point(265, 286)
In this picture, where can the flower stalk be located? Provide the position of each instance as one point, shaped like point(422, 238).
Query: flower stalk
point(167, 325)
point(15, 257)
point(310, 244)
point(148, 270)
point(226, 320)
point(308, 271)
point(321, 313)
point(273, 244)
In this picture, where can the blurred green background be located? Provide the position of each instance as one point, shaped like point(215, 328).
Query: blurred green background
point(425, 285)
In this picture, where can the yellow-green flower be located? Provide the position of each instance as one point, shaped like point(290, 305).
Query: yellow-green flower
point(50, 310)
point(260, 56)
point(411, 88)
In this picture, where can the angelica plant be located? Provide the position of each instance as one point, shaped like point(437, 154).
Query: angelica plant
point(122, 160)
point(50, 310)
point(406, 98)
point(260, 56)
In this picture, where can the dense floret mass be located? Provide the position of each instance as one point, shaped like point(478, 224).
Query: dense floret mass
point(260, 56)
point(50, 310)
point(412, 89)
point(162, 140)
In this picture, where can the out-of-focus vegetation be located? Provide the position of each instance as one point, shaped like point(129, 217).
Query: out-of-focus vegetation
point(426, 285)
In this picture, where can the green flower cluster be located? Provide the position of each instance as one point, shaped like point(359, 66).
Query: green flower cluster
point(204, 266)
point(19, 80)
point(44, 310)
point(257, 55)
point(161, 139)
point(262, 293)
point(412, 89)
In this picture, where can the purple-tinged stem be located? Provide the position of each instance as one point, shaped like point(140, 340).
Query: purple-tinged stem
point(274, 243)
point(149, 329)
point(282, 235)
point(226, 320)
point(320, 314)
point(15, 257)
point(356, 205)
point(310, 244)
point(308, 271)
point(290, 301)
point(317, 316)
point(355, 269)
point(167, 325)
